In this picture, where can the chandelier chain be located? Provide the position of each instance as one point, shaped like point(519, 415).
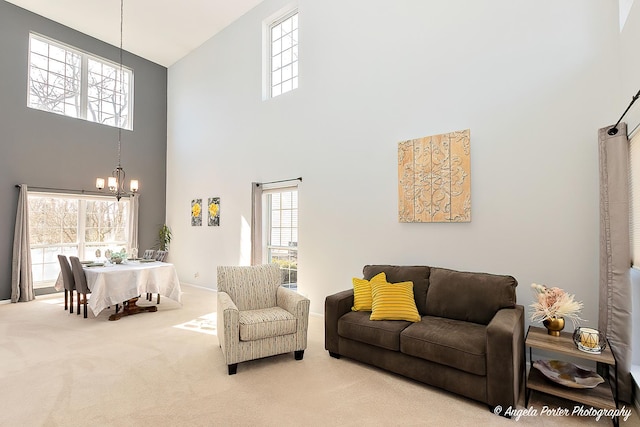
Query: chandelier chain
point(117, 179)
point(119, 124)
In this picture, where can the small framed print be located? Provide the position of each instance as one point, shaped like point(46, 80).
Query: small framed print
point(214, 211)
point(196, 212)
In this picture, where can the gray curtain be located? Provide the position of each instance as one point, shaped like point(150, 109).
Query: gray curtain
point(21, 277)
point(615, 252)
point(256, 223)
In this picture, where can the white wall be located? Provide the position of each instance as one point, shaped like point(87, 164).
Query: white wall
point(530, 79)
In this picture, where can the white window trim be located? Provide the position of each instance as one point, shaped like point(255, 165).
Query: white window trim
point(84, 83)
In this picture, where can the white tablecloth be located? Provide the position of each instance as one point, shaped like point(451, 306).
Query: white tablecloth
point(113, 284)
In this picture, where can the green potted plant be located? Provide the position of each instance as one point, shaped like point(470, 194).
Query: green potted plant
point(164, 238)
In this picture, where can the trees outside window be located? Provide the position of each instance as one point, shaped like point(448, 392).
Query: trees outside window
point(72, 225)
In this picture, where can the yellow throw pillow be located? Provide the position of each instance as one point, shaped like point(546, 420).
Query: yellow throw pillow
point(393, 301)
point(362, 292)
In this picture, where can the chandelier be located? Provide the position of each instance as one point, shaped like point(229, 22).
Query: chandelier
point(115, 182)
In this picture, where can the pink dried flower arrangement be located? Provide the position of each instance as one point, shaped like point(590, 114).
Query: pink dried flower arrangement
point(554, 303)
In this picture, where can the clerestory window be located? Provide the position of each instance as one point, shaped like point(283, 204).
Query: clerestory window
point(283, 35)
point(67, 81)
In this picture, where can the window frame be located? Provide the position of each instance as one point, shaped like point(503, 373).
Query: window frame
point(82, 114)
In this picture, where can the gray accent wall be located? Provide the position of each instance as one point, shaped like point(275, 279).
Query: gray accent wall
point(48, 150)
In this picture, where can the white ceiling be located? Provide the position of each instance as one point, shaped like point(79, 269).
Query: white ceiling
point(162, 31)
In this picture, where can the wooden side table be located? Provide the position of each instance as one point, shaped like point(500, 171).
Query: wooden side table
point(604, 396)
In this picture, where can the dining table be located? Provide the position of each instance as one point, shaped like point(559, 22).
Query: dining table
point(121, 284)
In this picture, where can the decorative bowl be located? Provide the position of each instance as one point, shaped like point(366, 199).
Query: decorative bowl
point(116, 260)
point(568, 374)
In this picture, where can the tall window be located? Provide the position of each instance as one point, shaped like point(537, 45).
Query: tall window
point(70, 82)
point(282, 233)
point(74, 226)
point(284, 54)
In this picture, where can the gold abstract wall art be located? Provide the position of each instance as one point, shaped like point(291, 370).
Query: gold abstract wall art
point(434, 178)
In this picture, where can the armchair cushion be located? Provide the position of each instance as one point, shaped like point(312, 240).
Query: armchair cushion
point(266, 323)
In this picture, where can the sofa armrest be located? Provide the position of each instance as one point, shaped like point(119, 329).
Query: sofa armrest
point(335, 306)
point(297, 305)
point(293, 302)
point(228, 327)
point(505, 357)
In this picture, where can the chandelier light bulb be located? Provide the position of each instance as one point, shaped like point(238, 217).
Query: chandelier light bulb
point(113, 183)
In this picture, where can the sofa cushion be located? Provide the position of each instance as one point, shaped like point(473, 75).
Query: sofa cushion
point(461, 345)
point(472, 297)
point(384, 333)
point(419, 275)
point(266, 323)
point(362, 298)
point(393, 301)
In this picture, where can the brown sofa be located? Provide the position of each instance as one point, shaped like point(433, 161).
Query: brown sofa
point(470, 340)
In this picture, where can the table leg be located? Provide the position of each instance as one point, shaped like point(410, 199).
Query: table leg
point(130, 308)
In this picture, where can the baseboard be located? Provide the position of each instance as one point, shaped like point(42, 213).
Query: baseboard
point(198, 286)
point(5, 301)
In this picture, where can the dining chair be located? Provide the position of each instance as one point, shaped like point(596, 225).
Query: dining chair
point(161, 255)
point(81, 283)
point(68, 281)
point(149, 254)
point(158, 256)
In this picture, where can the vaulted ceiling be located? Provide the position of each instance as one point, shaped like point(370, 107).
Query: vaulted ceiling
point(162, 31)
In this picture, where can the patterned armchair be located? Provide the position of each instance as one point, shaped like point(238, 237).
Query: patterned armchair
point(257, 317)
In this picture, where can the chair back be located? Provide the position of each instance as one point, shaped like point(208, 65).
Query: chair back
point(67, 276)
point(161, 255)
point(79, 276)
point(148, 254)
point(250, 287)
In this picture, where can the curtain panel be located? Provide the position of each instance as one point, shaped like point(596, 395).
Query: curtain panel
point(21, 276)
point(256, 223)
point(615, 252)
point(133, 225)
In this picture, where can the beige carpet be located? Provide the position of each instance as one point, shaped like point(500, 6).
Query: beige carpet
point(166, 369)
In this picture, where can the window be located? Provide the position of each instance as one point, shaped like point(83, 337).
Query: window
point(283, 35)
point(282, 233)
point(74, 226)
point(274, 227)
point(66, 81)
